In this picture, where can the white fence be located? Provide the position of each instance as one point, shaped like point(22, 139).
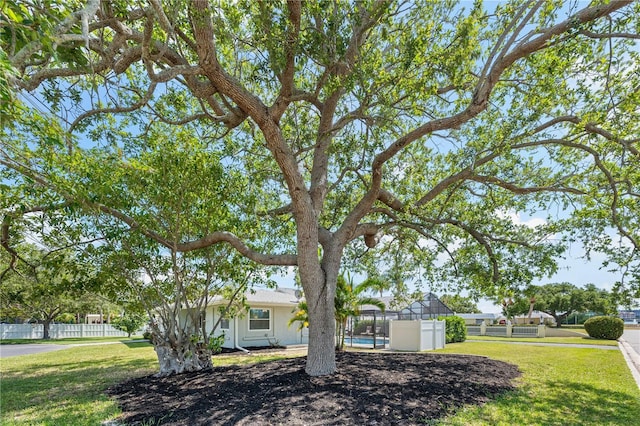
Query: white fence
point(59, 331)
point(506, 330)
point(417, 335)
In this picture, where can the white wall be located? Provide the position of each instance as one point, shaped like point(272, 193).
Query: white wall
point(279, 334)
point(416, 335)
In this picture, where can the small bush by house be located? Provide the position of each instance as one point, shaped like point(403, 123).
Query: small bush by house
point(456, 329)
point(609, 328)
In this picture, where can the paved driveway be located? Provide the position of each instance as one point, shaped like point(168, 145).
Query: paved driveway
point(15, 350)
point(632, 336)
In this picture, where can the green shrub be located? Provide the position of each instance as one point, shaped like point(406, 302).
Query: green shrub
point(215, 343)
point(146, 334)
point(609, 328)
point(456, 329)
point(66, 318)
point(129, 323)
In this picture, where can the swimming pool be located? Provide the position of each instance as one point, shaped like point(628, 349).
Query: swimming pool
point(366, 341)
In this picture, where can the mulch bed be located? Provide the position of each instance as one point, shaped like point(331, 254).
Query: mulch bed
point(368, 389)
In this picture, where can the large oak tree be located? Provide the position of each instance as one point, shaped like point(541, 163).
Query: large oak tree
point(45, 286)
point(352, 120)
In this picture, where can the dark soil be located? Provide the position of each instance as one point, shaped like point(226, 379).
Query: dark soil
point(368, 389)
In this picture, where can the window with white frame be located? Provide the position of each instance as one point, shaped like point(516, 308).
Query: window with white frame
point(224, 324)
point(259, 319)
point(224, 318)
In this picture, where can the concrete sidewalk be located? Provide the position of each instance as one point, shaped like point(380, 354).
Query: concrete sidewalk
point(632, 358)
point(7, 351)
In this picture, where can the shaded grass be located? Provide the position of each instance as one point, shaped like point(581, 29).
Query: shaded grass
point(572, 340)
point(559, 386)
point(67, 387)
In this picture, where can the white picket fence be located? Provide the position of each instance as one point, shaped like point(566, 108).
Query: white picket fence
point(59, 331)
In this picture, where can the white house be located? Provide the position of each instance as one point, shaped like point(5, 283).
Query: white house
point(478, 318)
point(537, 318)
point(264, 323)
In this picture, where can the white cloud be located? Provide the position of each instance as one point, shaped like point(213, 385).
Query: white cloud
point(516, 218)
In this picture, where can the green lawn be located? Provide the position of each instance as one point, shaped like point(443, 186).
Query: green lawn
point(574, 340)
point(560, 386)
point(67, 387)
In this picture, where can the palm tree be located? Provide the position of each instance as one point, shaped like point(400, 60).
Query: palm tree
point(375, 285)
point(348, 302)
point(301, 315)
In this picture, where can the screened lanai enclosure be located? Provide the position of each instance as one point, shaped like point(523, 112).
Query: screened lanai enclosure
point(428, 308)
point(371, 327)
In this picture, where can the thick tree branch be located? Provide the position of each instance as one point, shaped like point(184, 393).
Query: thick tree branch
point(342, 68)
point(209, 240)
point(390, 200)
point(144, 100)
point(515, 189)
point(591, 34)
point(5, 228)
point(290, 47)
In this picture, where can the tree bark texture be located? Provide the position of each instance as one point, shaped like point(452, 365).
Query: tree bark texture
point(181, 357)
point(45, 329)
point(321, 358)
point(320, 292)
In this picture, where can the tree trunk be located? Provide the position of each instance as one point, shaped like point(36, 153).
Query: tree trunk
point(532, 303)
point(177, 350)
point(321, 358)
point(180, 356)
point(319, 284)
point(559, 318)
point(343, 333)
point(45, 329)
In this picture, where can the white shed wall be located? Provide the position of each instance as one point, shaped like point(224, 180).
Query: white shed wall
point(416, 335)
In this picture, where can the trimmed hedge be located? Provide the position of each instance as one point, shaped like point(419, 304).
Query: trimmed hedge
point(609, 328)
point(456, 329)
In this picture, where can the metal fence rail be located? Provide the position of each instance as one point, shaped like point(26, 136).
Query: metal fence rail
point(473, 330)
point(496, 331)
point(524, 331)
point(508, 330)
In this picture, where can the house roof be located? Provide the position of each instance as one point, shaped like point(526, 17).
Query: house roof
point(480, 316)
point(387, 300)
point(281, 296)
point(535, 314)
